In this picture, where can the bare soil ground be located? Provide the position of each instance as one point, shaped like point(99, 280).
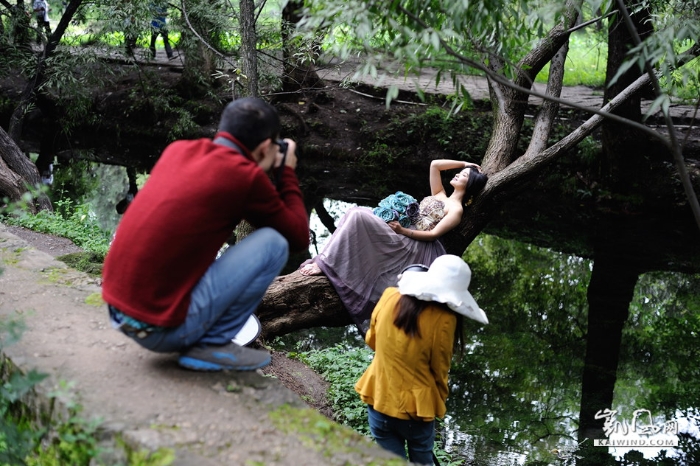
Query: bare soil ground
point(293, 374)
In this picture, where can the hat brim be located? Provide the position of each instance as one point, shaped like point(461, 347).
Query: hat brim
point(424, 287)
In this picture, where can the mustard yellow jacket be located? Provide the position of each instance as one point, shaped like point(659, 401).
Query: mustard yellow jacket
point(407, 378)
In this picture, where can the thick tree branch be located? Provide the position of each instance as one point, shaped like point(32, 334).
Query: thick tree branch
point(11, 184)
point(517, 172)
point(549, 109)
point(312, 302)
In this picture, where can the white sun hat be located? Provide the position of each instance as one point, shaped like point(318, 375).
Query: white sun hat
point(446, 281)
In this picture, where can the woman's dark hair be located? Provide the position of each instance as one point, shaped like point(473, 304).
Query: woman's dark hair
point(476, 182)
point(406, 318)
point(251, 121)
point(406, 314)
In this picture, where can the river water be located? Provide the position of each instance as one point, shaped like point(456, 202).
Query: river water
point(515, 393)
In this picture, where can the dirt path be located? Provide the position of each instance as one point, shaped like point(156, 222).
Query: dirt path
point(145, 398)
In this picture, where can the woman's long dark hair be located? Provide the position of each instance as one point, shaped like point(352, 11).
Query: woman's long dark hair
point(476, 182)
point(406, 318)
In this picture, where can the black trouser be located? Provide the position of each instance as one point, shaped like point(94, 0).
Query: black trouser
point(154, 35)
point(41, 24)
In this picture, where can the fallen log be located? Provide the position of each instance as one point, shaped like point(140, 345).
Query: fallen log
point(295, 302)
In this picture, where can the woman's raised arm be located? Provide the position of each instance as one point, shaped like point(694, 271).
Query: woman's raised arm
point(436, 166)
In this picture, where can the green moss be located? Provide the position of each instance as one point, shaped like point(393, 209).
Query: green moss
point(88, 262)
point(94, 299)
point(13, 258)
point(160, 457)
point(325, 436)
point(55, 275)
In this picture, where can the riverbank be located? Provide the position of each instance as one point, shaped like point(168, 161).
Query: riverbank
point(145, 399)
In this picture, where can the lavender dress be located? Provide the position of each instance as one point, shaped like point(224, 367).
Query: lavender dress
point(364, 256)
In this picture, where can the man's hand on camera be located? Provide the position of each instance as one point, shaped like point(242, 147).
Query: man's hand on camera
point(291, 160)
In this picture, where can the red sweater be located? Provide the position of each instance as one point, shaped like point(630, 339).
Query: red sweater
point(196, 194)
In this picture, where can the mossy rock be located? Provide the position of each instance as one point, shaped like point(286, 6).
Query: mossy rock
point(88, 262)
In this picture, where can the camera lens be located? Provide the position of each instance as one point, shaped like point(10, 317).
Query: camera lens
point(283, 145)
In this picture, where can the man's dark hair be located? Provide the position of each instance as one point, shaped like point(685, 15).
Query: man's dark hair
point(251, 121)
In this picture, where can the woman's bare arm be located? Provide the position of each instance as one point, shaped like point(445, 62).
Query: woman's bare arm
point(448, 222)
point(436, 166)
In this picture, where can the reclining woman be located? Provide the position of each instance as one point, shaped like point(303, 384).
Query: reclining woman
point(365, 254)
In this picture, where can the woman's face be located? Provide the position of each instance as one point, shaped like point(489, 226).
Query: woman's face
point(461, 179)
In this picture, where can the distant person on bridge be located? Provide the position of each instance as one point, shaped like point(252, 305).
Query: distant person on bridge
point(159, 26)
point(41, 13)
point(164, 285)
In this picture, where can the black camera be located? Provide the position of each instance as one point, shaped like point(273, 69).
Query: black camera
point(284, 145)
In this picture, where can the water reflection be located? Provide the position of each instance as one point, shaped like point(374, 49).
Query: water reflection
point(113, 186)
point(519, 389)
point(516, 395)
point(319, 338)
point(97, 185)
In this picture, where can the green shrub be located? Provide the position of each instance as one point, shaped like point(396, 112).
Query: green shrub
point(23, 439)
point(342, 366)
point(72, 221)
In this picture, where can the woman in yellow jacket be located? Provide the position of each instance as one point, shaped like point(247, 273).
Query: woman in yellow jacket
point(413, 331)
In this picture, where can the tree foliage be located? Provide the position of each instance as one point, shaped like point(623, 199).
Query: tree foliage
point(511, 42)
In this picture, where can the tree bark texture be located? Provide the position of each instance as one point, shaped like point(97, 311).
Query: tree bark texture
point(249, 46)
point(12, 184)
point(295, 302)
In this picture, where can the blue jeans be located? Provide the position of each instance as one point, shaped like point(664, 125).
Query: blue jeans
point(393, 434)
point(226, 295)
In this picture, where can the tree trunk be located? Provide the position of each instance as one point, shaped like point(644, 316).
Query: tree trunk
point(615, 268)
point(11, 184)
point(249, 41)
point(295, 302)
point(621, 143)
point(299, 71)
point(509, 105)
point(609, 295)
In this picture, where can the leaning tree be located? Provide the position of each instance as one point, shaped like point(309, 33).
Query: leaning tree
point(510, 43)
point(16, 163)
point(494, 38)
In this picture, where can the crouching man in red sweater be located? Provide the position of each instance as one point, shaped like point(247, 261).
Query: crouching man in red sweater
point(162, 281)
